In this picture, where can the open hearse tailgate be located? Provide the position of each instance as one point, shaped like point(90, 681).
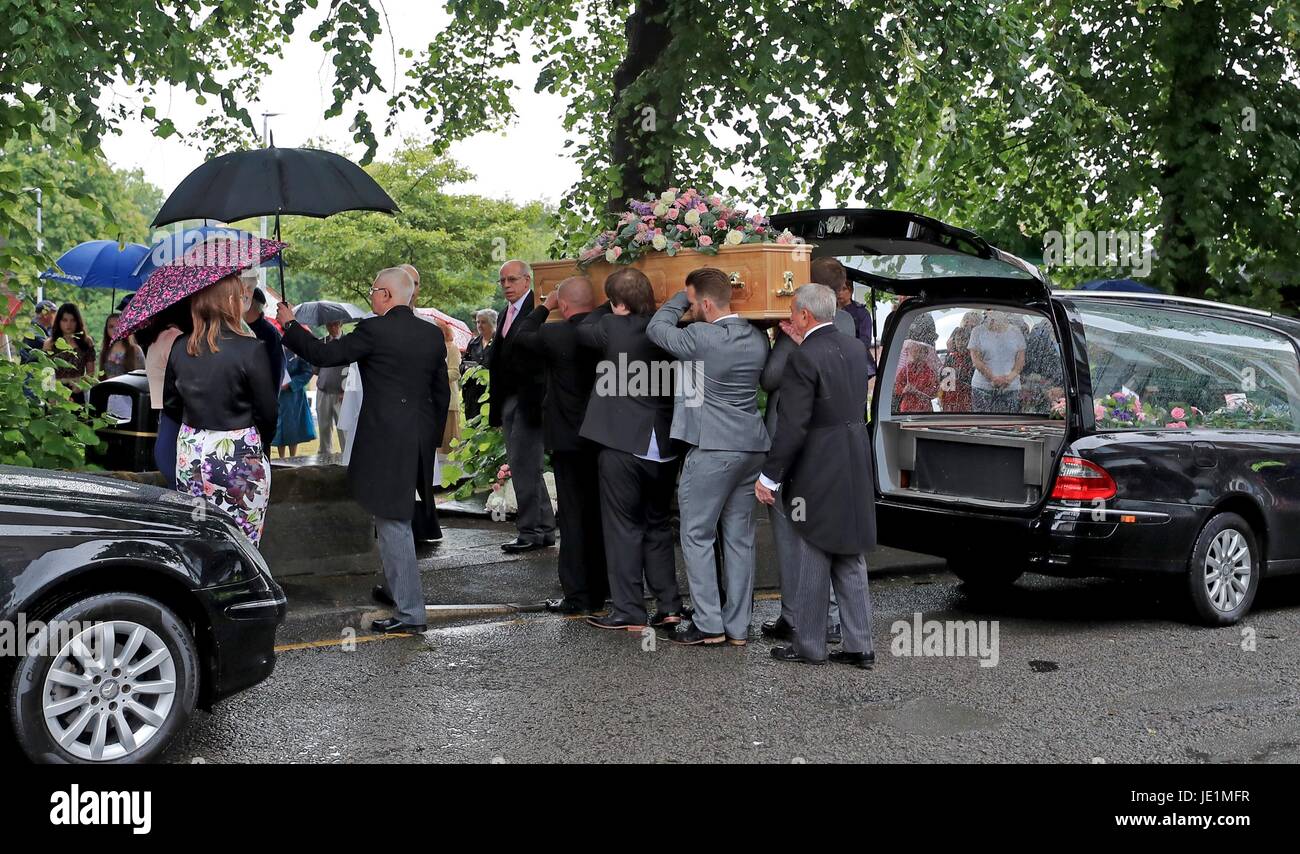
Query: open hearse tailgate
point(911, 254)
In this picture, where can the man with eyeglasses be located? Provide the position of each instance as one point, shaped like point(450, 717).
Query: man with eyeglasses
point(516, 388)
point(403, 361)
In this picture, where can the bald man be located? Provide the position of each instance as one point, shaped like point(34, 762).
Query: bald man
point(415, 279)
point(516, 388)
point(570, 376)
point(403, 363)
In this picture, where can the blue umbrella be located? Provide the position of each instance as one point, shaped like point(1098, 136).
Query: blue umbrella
point(99, 264)
point(174, 246)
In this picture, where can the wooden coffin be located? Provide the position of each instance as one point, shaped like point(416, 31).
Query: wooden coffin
point(764, 276)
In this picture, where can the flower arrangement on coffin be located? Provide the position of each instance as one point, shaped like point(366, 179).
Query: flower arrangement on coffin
point(1248, 415)
point(1125, 410)
point(676, 220)
point(1182, 416)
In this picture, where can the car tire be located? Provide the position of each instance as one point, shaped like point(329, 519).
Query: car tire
point(986, 574)
point(1224, 570)
point(72, 704)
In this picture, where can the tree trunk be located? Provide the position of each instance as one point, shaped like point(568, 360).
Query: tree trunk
point(643, 165)
point(1190, 143)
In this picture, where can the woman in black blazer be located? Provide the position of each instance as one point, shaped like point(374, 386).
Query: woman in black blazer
point(220, 389)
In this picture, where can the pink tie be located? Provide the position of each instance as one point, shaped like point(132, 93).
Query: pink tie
point(510, 318)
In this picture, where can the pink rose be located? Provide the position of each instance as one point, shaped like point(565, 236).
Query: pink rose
point(702, 208)
point(1177, 413)
point(1179, 424)
point(672, 214)
point(1099, 412)
point(705, 240)
point(721, 225)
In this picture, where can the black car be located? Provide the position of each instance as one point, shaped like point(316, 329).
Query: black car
point(136, 605)
point(1072, 432)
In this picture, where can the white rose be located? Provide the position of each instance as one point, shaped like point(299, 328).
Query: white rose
point(668, 197)
point(611, 256)
point(734, 236)
point(659, 242)
point(692, 217)
point(660, 209)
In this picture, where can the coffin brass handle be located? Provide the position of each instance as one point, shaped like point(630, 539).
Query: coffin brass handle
point(786, 290)
point(735, 281)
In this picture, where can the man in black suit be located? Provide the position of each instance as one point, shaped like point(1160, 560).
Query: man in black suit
point(403, 363)
point(516, 387)
point(630, 416)
point(820, 464)
point(570, 375)
point(266, 332)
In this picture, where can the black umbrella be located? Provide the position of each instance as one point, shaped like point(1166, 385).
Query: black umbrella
point(274, 181)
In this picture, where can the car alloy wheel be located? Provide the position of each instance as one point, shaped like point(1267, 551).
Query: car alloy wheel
point(1228, 567)
point(109, 691)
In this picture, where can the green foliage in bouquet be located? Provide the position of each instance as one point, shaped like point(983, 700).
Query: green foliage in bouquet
point(40, 425)
point(480, 451)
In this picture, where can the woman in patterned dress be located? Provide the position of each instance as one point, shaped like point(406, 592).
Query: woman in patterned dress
point(219, 388)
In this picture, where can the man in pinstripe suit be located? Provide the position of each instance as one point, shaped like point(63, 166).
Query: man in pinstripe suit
point(820, 469)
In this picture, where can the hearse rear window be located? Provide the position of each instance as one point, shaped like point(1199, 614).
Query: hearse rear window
point(978, 360)
point(1172, 369)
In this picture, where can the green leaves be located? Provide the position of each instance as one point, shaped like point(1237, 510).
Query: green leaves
point(40, 425)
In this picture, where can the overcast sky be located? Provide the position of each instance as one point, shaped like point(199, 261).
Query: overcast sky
point(525, 163)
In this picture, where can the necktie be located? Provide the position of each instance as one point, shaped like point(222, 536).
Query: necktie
point(510, 318)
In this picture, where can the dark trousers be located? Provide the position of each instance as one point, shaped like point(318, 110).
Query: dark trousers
point(636, 499)
point(424, 522)
point(583, 576)
point(164, 448)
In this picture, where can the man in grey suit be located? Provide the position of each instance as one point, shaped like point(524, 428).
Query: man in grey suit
point(783, 536)
point(821, 468)
point(716, 414)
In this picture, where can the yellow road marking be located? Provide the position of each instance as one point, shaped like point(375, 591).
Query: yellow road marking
point(288, 647)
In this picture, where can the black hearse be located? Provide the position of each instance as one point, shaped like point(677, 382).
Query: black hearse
point(122, 607)
point(1072, 433)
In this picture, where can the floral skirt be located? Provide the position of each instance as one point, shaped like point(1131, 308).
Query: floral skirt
point(229, 469)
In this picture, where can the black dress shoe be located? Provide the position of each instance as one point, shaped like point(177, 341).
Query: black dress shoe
point(517, 546)
point(392, 625)
point(777, 629)
point(694, 637)
point(858, 659)
point(609, 621)
point(567, 606)
point(788, 653)
point(834, 635)
point(666, 618)
point(381, 595)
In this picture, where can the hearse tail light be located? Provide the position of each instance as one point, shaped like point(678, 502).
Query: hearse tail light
point(1081, 480)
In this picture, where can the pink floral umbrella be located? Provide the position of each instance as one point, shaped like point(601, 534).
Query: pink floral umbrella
point(202, 266)
point(460, 333)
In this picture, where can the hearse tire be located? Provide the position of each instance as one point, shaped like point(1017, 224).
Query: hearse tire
point(144, 691)
point(1223, 572)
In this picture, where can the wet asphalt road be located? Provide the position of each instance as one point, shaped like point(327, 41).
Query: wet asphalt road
point(1087, 671)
